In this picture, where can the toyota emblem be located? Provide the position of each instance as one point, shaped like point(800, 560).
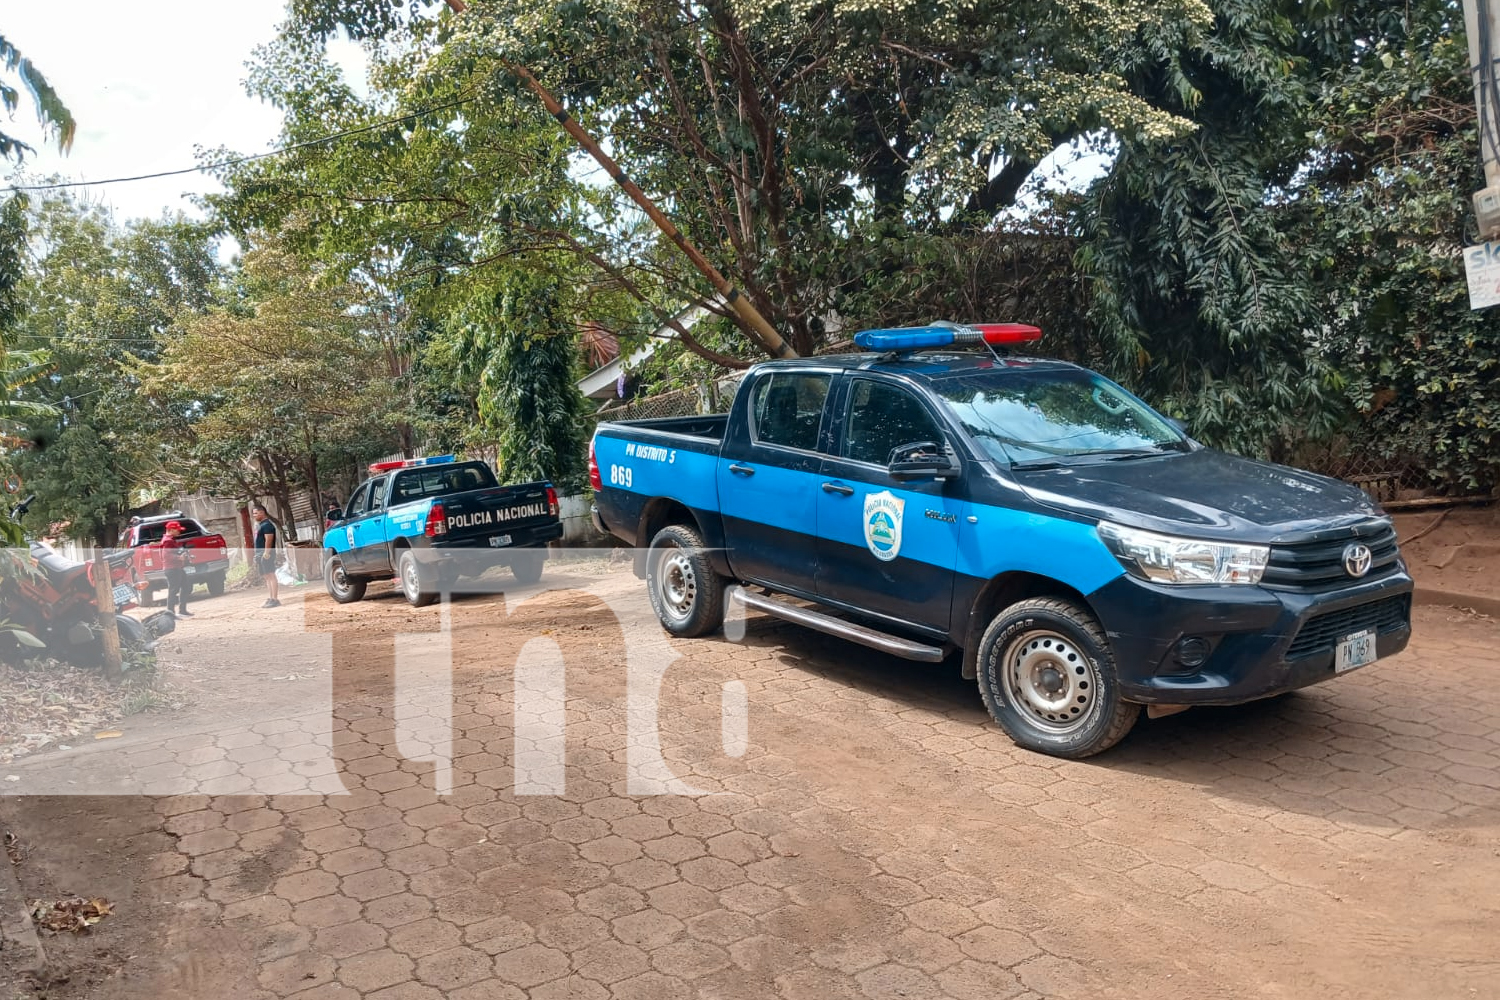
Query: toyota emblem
point(1357, 559)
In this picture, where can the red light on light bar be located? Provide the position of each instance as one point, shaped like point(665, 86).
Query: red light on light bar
point(1007, 333)
point(384, 466)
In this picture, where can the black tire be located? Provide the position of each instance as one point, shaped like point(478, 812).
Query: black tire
point(146, 598)
point(417, 585)
point(133, 637)
point(527, 567)
point(342, 588)
point(686, 594)
point(1048, 678)
point(216, 585)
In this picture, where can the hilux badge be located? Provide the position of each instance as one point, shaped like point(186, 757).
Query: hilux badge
point(1357, 558)
point(883, 512)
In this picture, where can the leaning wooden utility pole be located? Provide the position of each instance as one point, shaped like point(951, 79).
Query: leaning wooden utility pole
point(762, 332)
point(109, 630)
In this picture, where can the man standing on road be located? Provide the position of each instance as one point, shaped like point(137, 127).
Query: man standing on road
point(265, 553)
point(173, 560)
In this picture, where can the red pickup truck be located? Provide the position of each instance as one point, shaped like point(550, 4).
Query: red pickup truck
point(207, 555)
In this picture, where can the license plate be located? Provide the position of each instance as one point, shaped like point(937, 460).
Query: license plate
point(123, 594)
point(499, 540)
point(1355, 651)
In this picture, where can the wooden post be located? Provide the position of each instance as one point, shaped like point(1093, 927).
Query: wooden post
point(104, 590)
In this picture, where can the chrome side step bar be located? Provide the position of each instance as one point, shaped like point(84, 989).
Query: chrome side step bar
point(837, 626)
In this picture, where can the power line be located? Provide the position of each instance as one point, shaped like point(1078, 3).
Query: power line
point(243, 159)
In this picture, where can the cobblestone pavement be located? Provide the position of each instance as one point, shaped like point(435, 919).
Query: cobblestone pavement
point(877, 838)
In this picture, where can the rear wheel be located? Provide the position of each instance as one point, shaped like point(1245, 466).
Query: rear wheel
point(1048, 678)
point(686, 593)
point(146, 598)
point(416, 585)
point(527, 567)
point(341, 587)
point(216, 585)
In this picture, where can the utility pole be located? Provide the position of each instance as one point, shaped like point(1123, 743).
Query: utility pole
point(109, 630)
point(1482, 24)
point(751, 321)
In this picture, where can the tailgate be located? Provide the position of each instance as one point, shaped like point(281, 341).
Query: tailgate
point(483, 514)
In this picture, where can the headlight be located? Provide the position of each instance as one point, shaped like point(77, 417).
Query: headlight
point(1166, 559)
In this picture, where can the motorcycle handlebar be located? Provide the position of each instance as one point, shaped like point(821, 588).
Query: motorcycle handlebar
point(19, 510)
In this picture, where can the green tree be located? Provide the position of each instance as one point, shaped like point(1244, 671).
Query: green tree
point(53, 114)
point(258, 395)
point(97, 296)
point(525, 361)
point(1383, 218)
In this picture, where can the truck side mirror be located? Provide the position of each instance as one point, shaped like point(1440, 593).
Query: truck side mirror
point(922, 460)
point(333, 514)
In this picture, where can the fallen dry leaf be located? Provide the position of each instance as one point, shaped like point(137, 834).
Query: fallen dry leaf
point(109, 735)
point(75, 914)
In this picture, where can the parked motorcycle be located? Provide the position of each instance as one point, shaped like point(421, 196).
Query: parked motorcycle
point(53, 599)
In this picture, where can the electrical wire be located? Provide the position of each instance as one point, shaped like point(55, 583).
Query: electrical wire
point(244, 159)
point(1487, 87)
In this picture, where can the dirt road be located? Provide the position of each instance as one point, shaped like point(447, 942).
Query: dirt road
point(876, 838)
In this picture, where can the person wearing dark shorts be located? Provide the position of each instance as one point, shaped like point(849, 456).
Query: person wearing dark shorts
point(265, 553)
point(174, 559)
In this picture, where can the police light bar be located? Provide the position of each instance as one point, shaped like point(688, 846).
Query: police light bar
point(915, 338)
point(408, 463)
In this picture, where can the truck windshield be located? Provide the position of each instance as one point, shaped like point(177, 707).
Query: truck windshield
point(1041, 417)
point(440, 480)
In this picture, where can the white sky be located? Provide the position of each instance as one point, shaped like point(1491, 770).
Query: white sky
point(147, 82)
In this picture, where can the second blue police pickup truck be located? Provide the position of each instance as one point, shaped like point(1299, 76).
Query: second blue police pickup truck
point(431, 520)
point(1085, 555)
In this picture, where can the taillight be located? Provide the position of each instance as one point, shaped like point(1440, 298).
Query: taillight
point(595, 482)
point(437, 521)
point(551, 502)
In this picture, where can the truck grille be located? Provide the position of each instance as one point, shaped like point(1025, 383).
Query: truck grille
point(1319, 566)
point(1320, 632)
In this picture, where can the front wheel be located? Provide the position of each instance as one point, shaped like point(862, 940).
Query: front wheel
point(1048, 678)
point(686, 594)
point(419, 591)
point(340, 587)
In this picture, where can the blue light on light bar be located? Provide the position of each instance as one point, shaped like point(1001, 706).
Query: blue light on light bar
point(915, 338)
point(911, 338)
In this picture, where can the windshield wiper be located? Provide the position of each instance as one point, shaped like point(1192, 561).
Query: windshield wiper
point(1039, 463)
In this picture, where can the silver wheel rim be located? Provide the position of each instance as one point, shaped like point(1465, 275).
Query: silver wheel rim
point(1050, 681)
point(337, 577)
point(677, 584)
point(409, 579)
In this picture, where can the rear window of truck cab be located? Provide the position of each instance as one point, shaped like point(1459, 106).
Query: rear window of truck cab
point(440, 480)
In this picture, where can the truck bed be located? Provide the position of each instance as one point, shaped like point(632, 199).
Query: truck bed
point(707, 427)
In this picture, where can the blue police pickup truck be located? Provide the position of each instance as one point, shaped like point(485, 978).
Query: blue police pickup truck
point(432, 520)
point(1086, 556)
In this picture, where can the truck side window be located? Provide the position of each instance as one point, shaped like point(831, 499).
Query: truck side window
point(883, 417)
point(787, 408)
point(356, 505)
point(377, 494)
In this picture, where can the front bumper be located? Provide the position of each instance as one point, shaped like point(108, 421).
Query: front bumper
point(1261, 642)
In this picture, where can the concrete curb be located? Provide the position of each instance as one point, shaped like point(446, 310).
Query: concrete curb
point(1484, 605)
point(18, 938)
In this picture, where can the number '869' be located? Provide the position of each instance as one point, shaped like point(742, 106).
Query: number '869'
point(620, 475)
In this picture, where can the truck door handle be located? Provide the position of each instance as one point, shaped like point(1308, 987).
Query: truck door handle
point(838, 488)
point(742, 470)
